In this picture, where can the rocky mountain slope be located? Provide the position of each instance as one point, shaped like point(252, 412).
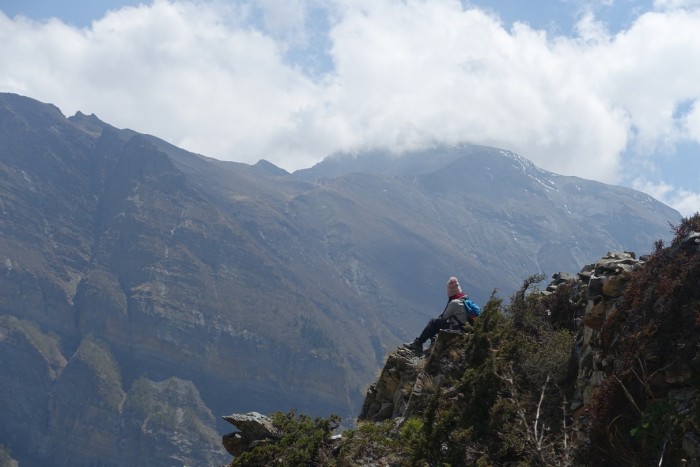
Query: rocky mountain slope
point(139, 279)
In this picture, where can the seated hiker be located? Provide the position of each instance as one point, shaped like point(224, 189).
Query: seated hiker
point(454, 316)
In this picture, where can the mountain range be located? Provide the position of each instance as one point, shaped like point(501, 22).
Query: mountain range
point(145, 288)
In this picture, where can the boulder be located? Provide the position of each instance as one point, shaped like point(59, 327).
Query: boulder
point(254, 429)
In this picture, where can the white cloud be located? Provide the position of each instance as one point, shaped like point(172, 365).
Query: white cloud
point(650, 69)
point(691, 121)
point(193, 74)
point(408, 73)
point(675, 4)
point(684, 201)
point(213, 78)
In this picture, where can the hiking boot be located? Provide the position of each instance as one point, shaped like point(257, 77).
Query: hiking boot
point(415, 345)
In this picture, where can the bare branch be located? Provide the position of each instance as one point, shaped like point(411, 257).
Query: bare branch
point(629, 396)
point(538, 439)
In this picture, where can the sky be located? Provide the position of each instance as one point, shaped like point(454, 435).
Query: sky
point(607, 90)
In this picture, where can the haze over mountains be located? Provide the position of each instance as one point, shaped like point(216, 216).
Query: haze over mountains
point(139, 279)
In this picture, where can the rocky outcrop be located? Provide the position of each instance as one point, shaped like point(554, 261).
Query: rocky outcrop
point(408, 378)
point(253, 429)
point(599, 286)
point(638, 368)
point(389, 396)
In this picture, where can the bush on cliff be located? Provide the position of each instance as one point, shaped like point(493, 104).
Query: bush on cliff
point(509, 401)
point(302, 441)
point(384, 440)
point(648, 404)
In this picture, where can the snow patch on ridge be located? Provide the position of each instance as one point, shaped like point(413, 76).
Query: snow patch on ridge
point(530, 169)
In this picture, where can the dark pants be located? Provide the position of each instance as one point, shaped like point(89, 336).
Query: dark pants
point(432, 328)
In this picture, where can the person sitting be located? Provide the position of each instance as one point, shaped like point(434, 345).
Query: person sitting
point(454, 316)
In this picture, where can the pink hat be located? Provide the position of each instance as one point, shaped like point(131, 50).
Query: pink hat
point(453, 287)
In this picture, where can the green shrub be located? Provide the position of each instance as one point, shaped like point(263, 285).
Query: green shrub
point(303, 442)
point(517, 365)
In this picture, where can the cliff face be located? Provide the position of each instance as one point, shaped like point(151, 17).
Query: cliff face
point(85, 407)
point(32, 361)
point(408, 379)
point(76, 411)
point(167, 423)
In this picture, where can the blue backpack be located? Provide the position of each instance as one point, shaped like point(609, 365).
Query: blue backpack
point(473, 310)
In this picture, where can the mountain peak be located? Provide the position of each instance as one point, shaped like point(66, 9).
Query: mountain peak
point(89, 123)
point(416, 163)
point(270, 168)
